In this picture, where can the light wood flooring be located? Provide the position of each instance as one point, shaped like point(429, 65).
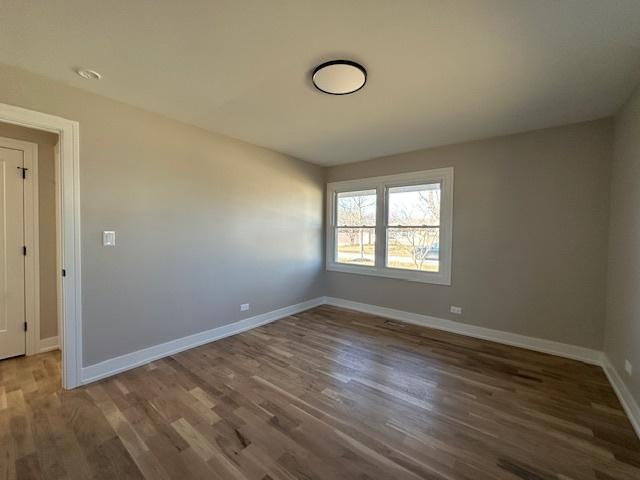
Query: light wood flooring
point(325, 394)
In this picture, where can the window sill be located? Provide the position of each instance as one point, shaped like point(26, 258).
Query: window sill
point(407, 275)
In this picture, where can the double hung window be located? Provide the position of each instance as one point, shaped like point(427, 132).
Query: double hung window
point(397, 226)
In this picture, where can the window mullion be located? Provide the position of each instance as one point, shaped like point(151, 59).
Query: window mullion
point(333, 225)
point(381, 231)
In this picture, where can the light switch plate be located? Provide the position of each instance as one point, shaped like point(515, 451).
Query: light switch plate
point(109, 238)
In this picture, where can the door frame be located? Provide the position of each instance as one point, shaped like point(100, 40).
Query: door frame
point(67, 169)
point(31, 241)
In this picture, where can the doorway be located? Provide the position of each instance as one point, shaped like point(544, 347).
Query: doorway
point(29, 287)
point(66, 267)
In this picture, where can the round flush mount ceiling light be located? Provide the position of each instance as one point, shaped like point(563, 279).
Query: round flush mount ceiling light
point(88, 74)
point(339, 77)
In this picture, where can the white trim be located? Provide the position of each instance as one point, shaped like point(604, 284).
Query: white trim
point(31, 240)
point(48, 344)
point(443, 175)
point(627, 401)
point(68, 195)
point(574, 352)
point(131, 360)
point(59, 245)
point(386, 272)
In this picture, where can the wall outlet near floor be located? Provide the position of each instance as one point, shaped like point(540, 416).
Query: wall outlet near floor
point(244, 307)
point(456, 310)
point(628, 367)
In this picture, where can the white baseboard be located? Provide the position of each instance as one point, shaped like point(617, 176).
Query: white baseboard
point(574, 352)
point(140, 357)
point(48, 344)
point(624, 395)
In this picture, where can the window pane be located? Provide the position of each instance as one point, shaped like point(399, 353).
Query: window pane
point(414, 248)
point(415, 205)
point(356, 246)
point(356, 209)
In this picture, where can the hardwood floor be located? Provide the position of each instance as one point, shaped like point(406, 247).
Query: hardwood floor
point(326, 394)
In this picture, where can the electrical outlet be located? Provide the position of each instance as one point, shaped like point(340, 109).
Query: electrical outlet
point(628, 367)
point(244, 307)
point(456, 310)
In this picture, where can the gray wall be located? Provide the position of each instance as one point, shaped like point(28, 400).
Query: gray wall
point(622, 327)
point(204, 223)
point(529, 234)
point(46, 220)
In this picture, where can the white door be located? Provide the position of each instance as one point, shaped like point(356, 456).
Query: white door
point(12, 292)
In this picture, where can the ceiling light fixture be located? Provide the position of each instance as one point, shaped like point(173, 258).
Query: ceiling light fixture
point(88, 74)
point(339, 77)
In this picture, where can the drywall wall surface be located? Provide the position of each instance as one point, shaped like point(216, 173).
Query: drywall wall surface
point(203, 222)
point(529, 234)
point(622, 328)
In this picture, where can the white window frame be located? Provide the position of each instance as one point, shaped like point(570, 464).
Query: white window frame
point(444, 176)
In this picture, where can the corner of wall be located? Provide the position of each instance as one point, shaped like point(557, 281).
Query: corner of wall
point(621, 335)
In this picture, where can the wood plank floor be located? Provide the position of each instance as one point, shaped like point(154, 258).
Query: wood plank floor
point(326, 394)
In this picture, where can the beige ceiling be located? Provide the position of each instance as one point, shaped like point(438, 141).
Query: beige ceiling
point(440, 71)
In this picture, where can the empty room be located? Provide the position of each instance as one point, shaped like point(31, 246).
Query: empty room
point(285, 239)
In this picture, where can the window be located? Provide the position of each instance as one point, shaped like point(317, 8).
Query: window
point(396, 226)
point(413, 227)
point(355, 230)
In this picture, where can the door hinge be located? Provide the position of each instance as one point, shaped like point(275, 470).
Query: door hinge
point(24, 171)
point(24, 250)
point(64, 272)
point(25, 326)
